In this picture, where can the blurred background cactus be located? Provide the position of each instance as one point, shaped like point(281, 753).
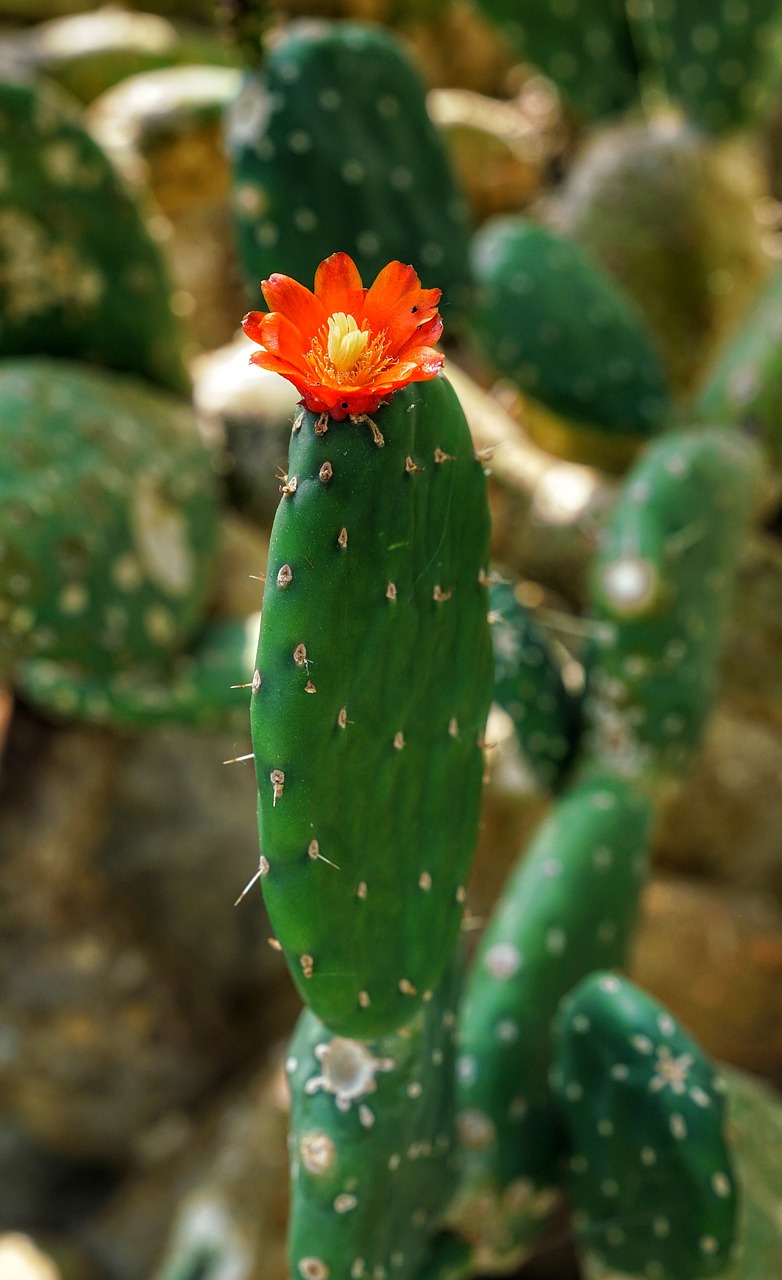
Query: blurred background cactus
point(581, 1086)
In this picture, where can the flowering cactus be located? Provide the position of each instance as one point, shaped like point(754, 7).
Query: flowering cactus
point(370, 693)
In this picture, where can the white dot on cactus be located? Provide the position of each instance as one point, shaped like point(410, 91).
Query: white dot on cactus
point(700, 1097)
point(401, 178)
point(305, 219)
point(348, 1070)
point(648, 1156)
point(358, 1269)
point(397, 1258)
point(573, 1091)
point(74, 598)
point(552, 868)
point(677, 465)
point(467, 1069)
point(605, 1127)
point(317, 1152)
point(159, 624)
point(475, 1129)
point(603, 800)
point(578, 1164)
point(291, 1064)
point(414, 1089)
point(345, 1202)
point(666, 1024)
point(556, 941)
point(507, 1031)
point(388, 106)
point(300, 141)
point(394, 1162)
point(368, 242)
point(330, 99)
point(629, 583)
point(581, 1024)
point(353, 172)
point(313, 1269)
point(602, 858)
point(661, 1227)
point(610, 985)
point(267, 234)
point(643, 1044)
point(678, 1126)
point(619, 1071)
point(432, 253)
point(720, 1184)
point(249, 200)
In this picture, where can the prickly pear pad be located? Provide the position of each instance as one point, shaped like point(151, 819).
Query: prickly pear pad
point(373, 681)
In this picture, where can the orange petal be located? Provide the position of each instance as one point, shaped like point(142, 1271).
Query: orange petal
point(297, 304)
point(252, 324)
point(424, 335)
point(391, 285)
point(338, 285)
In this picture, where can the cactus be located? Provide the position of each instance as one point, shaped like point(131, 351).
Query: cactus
point(64, 290)
point(660, 588)
point(548, 318)
point(651, 1181)
point(587, 49)
point(721, 65)
point(568, 908)
point(203, 687)
point(108, 518)
point(528, 685)
point(372, 1142)
point(332, 147)
point(369, 792)
point(743, 385)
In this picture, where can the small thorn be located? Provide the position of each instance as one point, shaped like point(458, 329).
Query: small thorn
point(493, 617)
point(361, 891)
point(471, 924)
point(257, 577)
point(322, 425)
point(453, 727)
point(297, 422)
point(439, 456)
point(364, 1000)
point(315, 853)
point(425, 881)
point(391, 591)
point(407, 988)
point(325, 473)
point(342, 718)
point(300, 656)
point(485, 455)
point(277, 779)
point(411, 466)
point(399, 740)
point(284, 577)
point(263, 870)
point(274, 944)
point(438, 595)
point(287, 490)
point(248, 684)
point(307, 965)
point(377, 435)
point(309, 687)
point(256, 681)
point(342, 540)
point(240, 759)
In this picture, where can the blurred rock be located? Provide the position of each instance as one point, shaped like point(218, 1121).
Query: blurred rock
point(713, 955)
point(96, 1039)
point(166, 128)
point(222, 1197)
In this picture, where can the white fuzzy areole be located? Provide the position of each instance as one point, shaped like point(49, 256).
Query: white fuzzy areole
point(161, 538)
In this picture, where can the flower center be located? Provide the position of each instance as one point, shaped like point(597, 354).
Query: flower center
point(347, 343)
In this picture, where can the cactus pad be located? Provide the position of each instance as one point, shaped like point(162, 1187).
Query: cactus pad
point(80, 276)
point(371, 1143)
point(108, 518)
point(570, 907)
point(549, 319)
point(528, 686)
point(651, 1177)
point(661, 586)
point(373, 683)
point(333, 148)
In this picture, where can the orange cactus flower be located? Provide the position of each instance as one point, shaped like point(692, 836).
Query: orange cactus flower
point(347, 349)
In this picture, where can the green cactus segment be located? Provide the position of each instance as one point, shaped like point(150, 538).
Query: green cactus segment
point(374, 681)
point(744, 387)
point(651, 1177)
point(333, 148)
point(549, 319)
point(586, 49)
point(568, 909)
point(528, 685)
point(372, 1144)
point(80, 276)
point(108, 518)
point(720, 62)
point(660, 590)
point(200, 688)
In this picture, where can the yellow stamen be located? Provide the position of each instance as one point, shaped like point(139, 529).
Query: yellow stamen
point(347, 343)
